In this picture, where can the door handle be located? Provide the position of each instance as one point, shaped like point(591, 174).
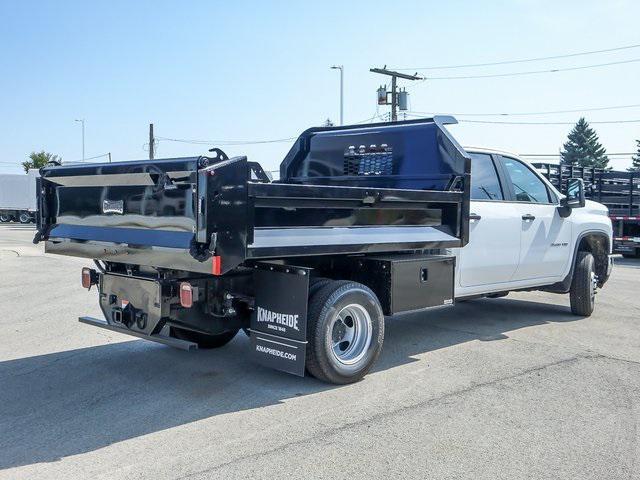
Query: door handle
point(528, 217)
point(473, 216)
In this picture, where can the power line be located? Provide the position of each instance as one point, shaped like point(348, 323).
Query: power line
point(89, 158)
point(225, 142)
point(533, 72)
point(557, 154)
point(549, 123)
point(548, 112)
point(525, 60)
point(239, 142)
point(64, 161)
point(499, 122)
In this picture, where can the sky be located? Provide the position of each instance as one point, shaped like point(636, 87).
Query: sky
point(247, 70)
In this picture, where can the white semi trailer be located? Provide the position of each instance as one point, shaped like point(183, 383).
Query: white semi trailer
point(18, 199)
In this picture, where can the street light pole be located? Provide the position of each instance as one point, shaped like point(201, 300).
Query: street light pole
point(82, 121)
point(341, 68)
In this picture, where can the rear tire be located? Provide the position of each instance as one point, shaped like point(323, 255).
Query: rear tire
point(203, 340)
point(24, 218)
point(5, 218)
point(583, 286)
point(345, 332)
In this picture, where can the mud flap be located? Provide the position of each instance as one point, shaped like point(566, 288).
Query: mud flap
point(279, 320)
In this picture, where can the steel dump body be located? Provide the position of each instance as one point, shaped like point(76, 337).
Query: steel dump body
point(211, 215)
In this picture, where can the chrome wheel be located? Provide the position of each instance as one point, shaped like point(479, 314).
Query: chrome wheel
point(350, 334)
point(593, 285)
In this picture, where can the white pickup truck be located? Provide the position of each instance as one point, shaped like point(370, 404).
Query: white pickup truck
point(365, 222)
point(522, 238)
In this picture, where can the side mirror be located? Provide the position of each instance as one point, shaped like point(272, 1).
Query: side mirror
point(575, 194)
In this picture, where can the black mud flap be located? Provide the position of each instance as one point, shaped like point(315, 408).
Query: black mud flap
point(279, 320)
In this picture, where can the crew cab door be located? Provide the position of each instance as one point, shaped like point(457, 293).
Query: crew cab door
point(491, 256)
point(545, 236)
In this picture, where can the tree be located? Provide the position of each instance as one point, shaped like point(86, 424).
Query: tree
point(583, 147)
point(39, 160)
point(635, 160)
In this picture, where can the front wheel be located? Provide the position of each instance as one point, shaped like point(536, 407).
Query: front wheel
point(345, 332)
point(583, 286)
point(24, 218)
point(203, 340)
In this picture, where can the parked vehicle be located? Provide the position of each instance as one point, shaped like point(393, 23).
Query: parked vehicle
point(619, 191)
point(365, 222)
point(18, 197)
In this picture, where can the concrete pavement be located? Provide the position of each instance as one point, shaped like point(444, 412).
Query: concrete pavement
point(504, 388)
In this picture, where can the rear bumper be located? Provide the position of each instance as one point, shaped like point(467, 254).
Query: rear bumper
point(159, 338)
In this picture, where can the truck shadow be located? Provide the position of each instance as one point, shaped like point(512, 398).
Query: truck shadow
point(71, 402)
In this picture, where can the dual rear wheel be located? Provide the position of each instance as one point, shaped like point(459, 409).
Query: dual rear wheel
point(345, 331)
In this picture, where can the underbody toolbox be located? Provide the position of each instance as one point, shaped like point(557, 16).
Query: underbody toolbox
point(409, 282)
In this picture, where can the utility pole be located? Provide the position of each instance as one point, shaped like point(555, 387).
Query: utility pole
point(82, 121)
point(394, 89)
point(341, 68)
point(151, 142)
point(109, 157)
point(394, 99)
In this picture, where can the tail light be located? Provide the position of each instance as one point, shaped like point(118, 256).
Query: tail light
point(89, 277)
point(186, 295)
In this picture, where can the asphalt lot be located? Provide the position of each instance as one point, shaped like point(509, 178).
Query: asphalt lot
point(497, 389)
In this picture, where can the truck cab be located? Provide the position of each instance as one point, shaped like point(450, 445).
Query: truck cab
point(521, 235)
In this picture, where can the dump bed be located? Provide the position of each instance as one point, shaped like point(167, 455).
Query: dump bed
point(383, 188)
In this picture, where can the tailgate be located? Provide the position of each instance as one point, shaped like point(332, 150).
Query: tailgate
point(162, 213)
point(139, 213)
point(148, 203)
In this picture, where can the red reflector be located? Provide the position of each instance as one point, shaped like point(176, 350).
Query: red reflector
point(86, 277)
point(216, 265)
point(186, 295)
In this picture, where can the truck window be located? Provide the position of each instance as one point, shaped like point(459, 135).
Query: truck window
point(484, 178)
point(526, 184)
